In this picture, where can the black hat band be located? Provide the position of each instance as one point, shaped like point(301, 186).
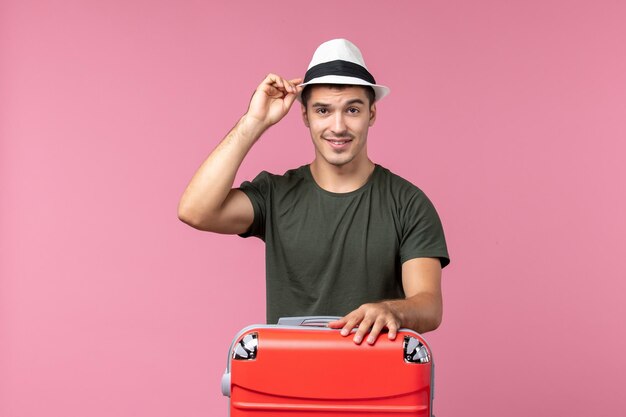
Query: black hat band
point(339, 67)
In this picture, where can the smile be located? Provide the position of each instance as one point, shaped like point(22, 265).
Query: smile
point(338, 143)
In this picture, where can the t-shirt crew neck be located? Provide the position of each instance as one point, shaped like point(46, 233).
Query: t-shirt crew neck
point(306, 171)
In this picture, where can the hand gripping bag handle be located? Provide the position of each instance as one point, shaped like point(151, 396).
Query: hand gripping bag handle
point(314, 321)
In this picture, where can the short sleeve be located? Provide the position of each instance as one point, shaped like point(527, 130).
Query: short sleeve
point(257, 191)
point(422, 232)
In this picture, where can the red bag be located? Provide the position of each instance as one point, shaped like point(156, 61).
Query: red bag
point(300, 367)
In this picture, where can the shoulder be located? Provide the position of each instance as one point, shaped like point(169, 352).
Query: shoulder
point(267, 180)
point(406, 199)
point(295, 175)
point(398, 186)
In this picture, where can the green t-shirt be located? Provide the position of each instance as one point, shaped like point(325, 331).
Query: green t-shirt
point(328, 253)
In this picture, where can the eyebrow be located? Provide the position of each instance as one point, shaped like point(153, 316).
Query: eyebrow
point(353, 101)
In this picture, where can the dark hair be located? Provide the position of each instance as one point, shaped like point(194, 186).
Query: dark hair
point(306, 92)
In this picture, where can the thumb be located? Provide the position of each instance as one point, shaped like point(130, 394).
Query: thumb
point(289, 99)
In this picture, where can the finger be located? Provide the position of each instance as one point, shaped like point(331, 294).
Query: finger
point(272, 78)
point(337, 323)
point(350, 324)
point(280, 85)
point(364, 327)
point(289, 86)
point(295, 82)
point(271, 86)
point(271, 90)
point(289, 99)
point(379, 324)
point(285, 86)
point(274, 81)
point(269, 81)
point(393, 330)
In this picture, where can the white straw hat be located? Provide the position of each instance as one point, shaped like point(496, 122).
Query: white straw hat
point(339, 61)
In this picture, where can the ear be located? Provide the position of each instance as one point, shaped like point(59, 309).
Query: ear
point(305, 118)
point(372, 114)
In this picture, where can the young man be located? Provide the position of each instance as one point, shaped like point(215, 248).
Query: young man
point(344, 236)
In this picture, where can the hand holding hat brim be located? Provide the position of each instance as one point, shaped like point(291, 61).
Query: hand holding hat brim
point(272, 99)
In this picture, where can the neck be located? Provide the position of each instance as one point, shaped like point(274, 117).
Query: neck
point(341, 179)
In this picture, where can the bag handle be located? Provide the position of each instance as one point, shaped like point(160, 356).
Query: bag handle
point(314, 321)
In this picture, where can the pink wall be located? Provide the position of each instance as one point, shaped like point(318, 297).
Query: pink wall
point(510, 115)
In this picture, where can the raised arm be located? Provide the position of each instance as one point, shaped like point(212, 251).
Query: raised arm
point(209, 201)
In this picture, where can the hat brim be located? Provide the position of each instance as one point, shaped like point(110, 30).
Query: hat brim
point(380, 91)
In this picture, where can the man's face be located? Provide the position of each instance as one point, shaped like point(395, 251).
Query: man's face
point(339, 120)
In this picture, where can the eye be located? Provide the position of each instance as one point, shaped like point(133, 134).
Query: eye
point(353, 110)
point(321, 110)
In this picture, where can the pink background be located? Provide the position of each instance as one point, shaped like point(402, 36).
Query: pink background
point(510, 115)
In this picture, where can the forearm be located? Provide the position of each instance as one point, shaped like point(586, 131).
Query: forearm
point(211, 184)
point(421, 312)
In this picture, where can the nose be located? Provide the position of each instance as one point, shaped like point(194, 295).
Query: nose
point(339, 125)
